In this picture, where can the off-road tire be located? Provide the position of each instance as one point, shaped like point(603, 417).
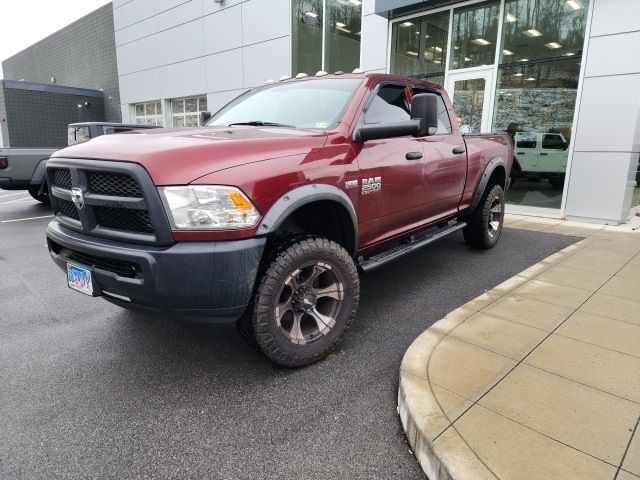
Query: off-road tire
point(41, 197)
point(300, 255)
point(481, 231)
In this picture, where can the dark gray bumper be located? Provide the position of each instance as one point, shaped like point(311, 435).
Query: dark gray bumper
point(209, 280)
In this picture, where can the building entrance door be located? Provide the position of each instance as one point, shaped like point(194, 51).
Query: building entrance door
point(470, 93)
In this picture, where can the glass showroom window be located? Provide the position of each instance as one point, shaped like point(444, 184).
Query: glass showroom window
point(537, 85)
point(185, 112)
point(149, 113)
point(340, 21)
point(475, 32)
point(419, 47)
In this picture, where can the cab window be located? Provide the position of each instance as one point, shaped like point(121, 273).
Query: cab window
point(389, 105)
point(444, 123)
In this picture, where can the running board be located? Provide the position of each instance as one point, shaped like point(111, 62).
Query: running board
point(400, 251)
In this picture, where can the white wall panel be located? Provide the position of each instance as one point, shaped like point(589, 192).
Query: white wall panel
point(608, 118)
point(139, 55)
point(262, 20)
point(136, 31)
point(373, 50)
point(140, 86)
point(615, 16)
point(266, 60)
point(223, 30)
point(133, 12)
point(180, 43)
point(598, 186)
point(184, 78)
point(614, 55)
point(209, 6)
point(215, 101)
point(182, 13)
point(224, 71)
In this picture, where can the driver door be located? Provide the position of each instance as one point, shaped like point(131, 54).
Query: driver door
point(391, 170)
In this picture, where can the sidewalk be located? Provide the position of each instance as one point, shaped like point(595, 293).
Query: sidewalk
point(538, 378)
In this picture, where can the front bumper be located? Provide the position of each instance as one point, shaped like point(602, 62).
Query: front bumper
point(205, 280)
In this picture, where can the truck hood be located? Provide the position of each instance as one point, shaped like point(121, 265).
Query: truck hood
point(178, 156)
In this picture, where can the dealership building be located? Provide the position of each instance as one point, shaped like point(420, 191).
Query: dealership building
point(560, 76)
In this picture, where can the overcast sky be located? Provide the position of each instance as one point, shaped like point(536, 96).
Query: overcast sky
point(24, 22)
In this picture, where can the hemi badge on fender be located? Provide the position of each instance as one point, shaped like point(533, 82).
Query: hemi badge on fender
point(351, 183)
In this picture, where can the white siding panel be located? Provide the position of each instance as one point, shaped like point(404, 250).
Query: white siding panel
point(139, 55)
point(209, 6)
point(608, 119)
point(224, 71)
point(611, 55)
point(373, 50)
point(184, 78)
point(266, 60)
point(615, 16)
point(137, 31)
point(133, 12)
point(215, 101)
point(223, 30)
point(180, 43)
point(184, 12)
point(140, 87)
point(263, 20)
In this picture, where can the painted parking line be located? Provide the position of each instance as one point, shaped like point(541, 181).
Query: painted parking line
point(25, 219)
point(14, 194)
point(18, 200)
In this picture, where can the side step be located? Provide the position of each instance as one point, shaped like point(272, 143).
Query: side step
point(400, 251)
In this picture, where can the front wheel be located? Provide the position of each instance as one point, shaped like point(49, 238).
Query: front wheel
point(306, 301)
point(484, 225)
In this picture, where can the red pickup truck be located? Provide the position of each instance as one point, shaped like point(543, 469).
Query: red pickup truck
point(268, 213)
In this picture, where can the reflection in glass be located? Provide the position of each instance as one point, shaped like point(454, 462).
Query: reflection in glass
point(534, 30)
point(535, 105)
point(306, 54)
point(475, 32)
point(419, 47)
point(468, 103)
point(342, 36)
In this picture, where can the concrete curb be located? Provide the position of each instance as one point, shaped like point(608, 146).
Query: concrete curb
point(428, 419)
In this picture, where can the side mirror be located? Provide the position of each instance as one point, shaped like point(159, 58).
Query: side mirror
point(424, 107)
point(204, 116)
point(376, 131)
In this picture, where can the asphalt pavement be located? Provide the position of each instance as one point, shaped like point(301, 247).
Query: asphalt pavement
point(88, 390)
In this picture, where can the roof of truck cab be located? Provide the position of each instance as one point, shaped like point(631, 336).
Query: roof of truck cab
point(375, 76)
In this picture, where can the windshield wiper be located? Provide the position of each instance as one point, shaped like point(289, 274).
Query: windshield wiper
point(260, 123)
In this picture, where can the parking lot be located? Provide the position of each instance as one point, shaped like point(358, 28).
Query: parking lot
point(92, 391)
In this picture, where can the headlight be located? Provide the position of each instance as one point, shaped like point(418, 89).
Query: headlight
point(208, 207)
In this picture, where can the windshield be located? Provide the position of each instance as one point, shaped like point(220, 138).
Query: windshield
point(306, 104)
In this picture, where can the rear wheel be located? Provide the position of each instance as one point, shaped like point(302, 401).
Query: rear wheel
point(484, 225)
point(306, 301)
point(41, 197)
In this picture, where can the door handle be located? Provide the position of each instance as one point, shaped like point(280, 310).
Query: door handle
point(544, 153)
point(413, 156)
point(458, 150)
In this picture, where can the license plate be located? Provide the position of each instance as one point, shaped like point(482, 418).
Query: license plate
point(79, 279)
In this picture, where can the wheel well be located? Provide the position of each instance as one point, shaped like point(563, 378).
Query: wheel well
point(324, 218)
point(498, 177)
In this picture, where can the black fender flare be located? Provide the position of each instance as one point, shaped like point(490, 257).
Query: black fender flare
point(300, 196)
point(484, 180)
point(39, 174)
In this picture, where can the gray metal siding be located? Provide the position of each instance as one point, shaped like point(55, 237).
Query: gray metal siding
point(82, 55)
